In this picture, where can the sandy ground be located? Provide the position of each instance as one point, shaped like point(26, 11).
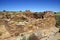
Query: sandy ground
point(57, 37)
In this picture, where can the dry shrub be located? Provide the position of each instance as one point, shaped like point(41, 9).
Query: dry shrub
point(33, 37)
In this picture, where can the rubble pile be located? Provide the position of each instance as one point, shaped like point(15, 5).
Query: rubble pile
point(28, 26)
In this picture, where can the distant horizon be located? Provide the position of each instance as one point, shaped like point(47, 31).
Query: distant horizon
point(33, 5)
point(30, 10)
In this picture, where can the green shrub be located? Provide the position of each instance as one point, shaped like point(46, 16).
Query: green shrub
point(57, 19)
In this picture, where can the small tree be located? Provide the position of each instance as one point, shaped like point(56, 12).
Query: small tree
point(20, 11)
point(54, 12)
point(4, 10)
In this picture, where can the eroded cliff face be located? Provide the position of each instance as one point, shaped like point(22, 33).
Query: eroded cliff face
point(28, 26)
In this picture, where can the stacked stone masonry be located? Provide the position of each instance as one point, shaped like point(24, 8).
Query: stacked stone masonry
point(28, 26)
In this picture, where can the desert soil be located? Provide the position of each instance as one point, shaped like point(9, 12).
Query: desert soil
point(56, 37)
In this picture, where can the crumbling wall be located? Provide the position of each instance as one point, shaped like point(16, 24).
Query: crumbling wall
point(41, 25)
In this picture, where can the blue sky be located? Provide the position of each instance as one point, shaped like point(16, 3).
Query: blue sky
point(33, 5)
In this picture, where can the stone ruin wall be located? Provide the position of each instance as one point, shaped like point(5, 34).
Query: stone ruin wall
point(32, 23)
point(47, 21)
